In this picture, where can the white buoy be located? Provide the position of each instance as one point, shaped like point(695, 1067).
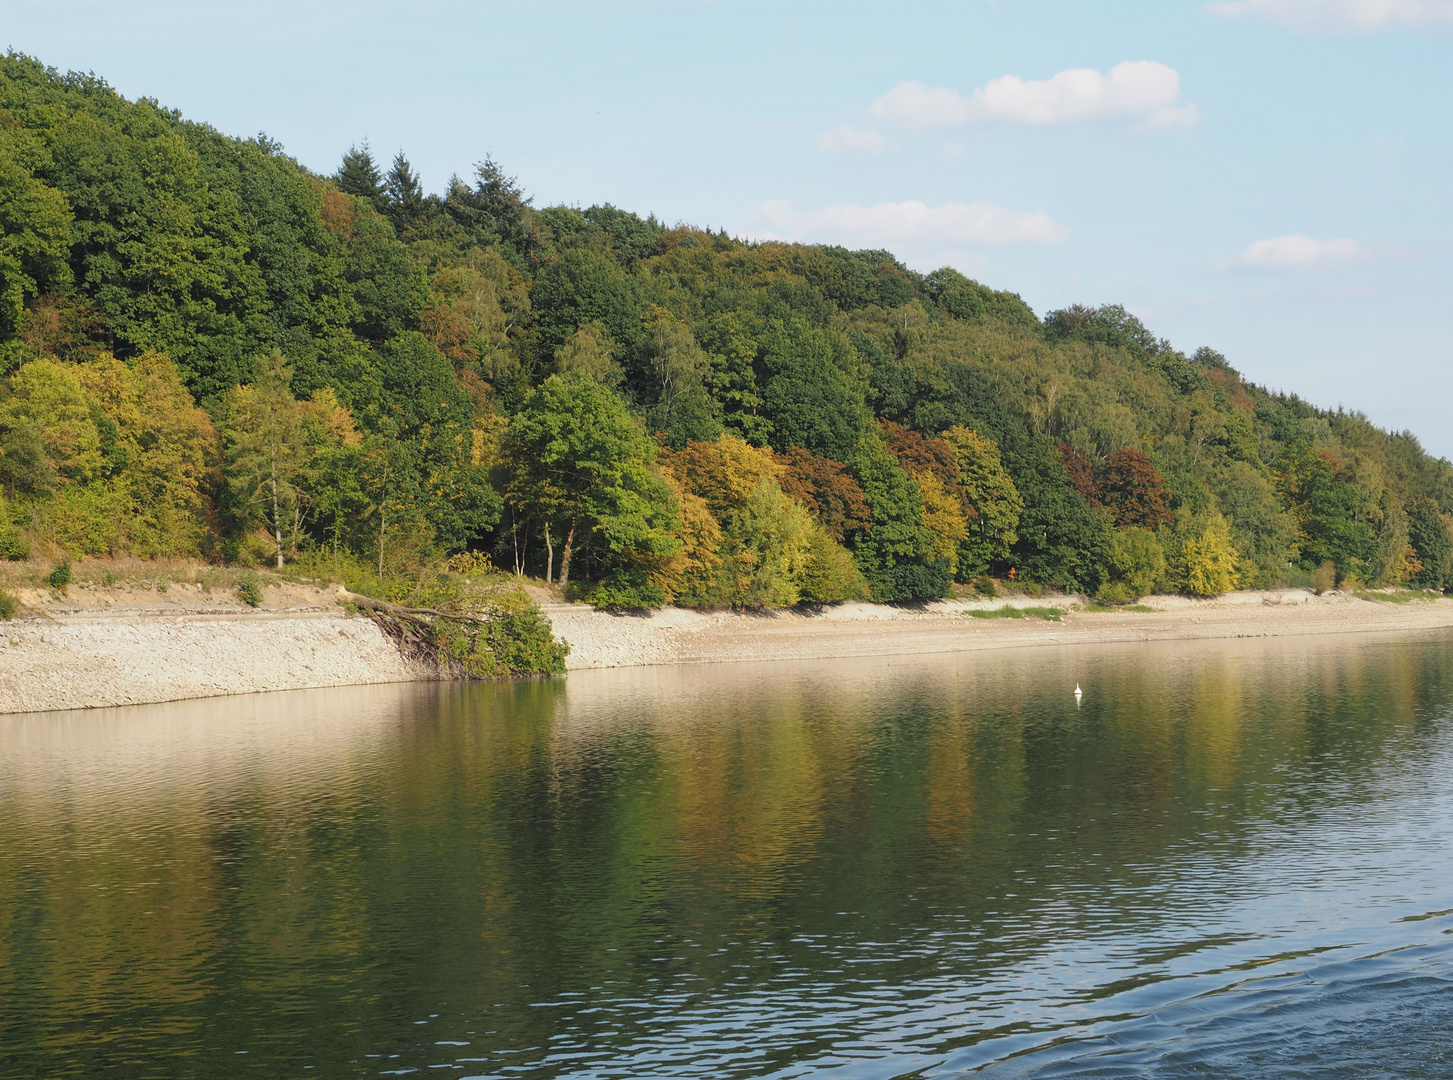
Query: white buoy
point(1078, 693)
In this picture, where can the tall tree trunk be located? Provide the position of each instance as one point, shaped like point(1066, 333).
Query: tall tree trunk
point(565, 559)
point(277, 525)
point(549, 555)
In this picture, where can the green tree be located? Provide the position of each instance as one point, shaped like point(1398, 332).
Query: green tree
point(358, 176)
point(815, 391)
point(1136, 562)
point(992, 498)
point(1431, 533)
point(405, 193)
point(590, 352)
point(895, 551)
point(262, 432)
point(577, 459)
point(35, 234)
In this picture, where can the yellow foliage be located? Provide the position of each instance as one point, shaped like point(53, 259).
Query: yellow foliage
point(325, 419)
point(46, 396)
point(168, 445)
point(944, 515)
point(1210, 559)
point(691, 575)
point(726, 473)
point(746, 542)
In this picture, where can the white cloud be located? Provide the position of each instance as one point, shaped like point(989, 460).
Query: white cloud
point(1139, 91)
point(1297, 252)
point(844, 140)
point(915, 107)
point(1313, 15)
point(887, 223)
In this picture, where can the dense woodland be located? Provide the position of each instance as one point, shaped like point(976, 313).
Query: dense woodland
point(211, 352)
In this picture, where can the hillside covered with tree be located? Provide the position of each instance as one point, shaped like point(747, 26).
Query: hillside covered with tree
point(209, 351)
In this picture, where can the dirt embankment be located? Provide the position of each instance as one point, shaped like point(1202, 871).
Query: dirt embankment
point(97, 646)
point(132, 644)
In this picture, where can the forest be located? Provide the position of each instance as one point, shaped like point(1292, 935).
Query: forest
point(210, 352)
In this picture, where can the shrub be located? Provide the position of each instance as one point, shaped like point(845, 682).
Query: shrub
point(626, 590)
point(984, 586)
point(60, 577)
point(1137, 562)
point(249, 590)
point(13, 546)
point(515, 638)
point(1324, 578)
point(9, 605)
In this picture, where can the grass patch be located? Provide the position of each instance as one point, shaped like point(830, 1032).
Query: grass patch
point(1400, 596)
point(1008, 611)
point(1090, 605)
point(1138, 607)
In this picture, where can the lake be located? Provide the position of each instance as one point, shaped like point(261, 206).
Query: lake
point(1231, 858)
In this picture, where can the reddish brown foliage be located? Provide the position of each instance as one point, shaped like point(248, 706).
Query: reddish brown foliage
point(450, 331)
point(825, 488)
point(1231, 384)
point(917, 454)
point(1133, 490)
point(1082, 473)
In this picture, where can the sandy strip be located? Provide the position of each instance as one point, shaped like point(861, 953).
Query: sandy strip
point(672, 636)
point(74, 658)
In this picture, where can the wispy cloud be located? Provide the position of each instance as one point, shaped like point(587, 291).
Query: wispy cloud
point(886, 223)
point(1298, 252)
point(1143, 92)
point(845, 140)
point(1340, 15)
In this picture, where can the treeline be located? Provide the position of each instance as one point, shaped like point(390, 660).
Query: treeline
point(210, 351)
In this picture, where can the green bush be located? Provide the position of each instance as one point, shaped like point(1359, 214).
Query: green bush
point(1324, 578)
point(514, 639)
point(249, 590)
point(626, 590)
point(60, 577)
point(984, 586)
point(1136, 561)
point(9, 605)
point(13, 546)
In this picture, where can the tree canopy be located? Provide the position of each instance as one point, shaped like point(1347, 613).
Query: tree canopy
point(209, 350)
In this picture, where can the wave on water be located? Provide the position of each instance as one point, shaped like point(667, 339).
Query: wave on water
point(1343, 1012)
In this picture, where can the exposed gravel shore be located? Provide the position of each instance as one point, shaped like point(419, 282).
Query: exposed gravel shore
point(674, 636)
point(87, 654)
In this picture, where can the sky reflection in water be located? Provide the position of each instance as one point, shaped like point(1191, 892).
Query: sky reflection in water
point(1232, 856)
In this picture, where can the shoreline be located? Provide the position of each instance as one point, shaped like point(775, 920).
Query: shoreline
point(80, 657)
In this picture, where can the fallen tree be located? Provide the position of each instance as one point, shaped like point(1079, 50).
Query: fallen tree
point(495, 634)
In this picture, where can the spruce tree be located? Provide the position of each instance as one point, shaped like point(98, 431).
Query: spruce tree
point(359, 176)
point(405, 192)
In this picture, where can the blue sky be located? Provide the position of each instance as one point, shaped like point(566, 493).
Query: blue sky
point(1267, 177)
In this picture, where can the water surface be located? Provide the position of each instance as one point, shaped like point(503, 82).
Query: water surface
point(1232, 859)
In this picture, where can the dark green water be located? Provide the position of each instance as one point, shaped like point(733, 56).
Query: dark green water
point(1231, 859)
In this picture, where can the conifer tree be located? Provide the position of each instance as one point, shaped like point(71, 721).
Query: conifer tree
point(358, 176)
point(405, 192)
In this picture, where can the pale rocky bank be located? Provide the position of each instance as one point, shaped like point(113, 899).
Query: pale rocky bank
point(119, 648)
